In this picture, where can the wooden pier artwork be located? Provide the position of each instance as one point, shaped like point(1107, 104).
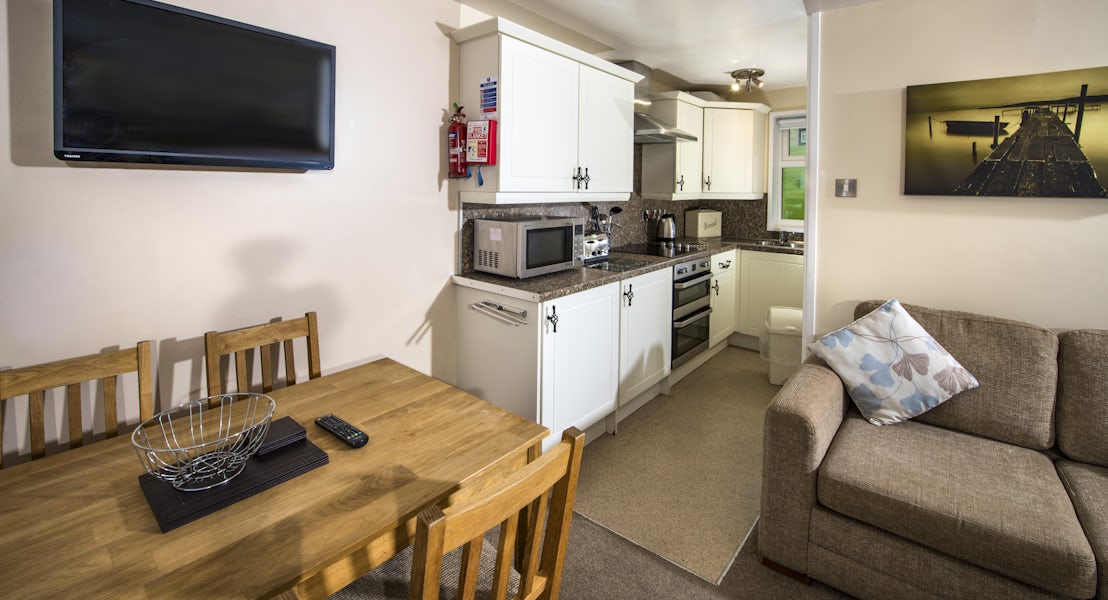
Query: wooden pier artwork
point(1041, 158)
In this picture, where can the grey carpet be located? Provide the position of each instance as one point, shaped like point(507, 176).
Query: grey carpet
point(682, 476)
point(601, 565)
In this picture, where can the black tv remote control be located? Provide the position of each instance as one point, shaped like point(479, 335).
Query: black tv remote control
point(346, 432)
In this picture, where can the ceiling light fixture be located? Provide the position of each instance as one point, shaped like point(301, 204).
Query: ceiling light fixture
point(750, 75)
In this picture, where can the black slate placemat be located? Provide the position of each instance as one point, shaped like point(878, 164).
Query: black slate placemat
point(282, 432)
point(173, 508)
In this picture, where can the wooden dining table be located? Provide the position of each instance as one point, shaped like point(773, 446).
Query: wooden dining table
point(77, 523)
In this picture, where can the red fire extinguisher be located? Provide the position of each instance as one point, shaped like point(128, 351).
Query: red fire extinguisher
point(456, 143)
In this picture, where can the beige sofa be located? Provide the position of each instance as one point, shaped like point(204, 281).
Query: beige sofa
point(1000, 492)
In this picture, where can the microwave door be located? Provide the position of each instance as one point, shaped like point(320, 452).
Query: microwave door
point(548, 246)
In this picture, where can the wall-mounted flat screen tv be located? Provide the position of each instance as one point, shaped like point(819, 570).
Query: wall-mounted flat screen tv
point(143, 81)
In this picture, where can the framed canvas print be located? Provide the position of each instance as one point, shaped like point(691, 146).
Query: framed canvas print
point(1041, 135)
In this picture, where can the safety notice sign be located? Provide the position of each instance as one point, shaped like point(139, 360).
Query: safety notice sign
point(488, 96)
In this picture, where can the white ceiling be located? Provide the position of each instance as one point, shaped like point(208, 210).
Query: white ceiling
point(699, 41)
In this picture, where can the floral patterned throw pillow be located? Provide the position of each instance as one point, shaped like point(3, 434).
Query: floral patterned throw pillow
point(892, 368)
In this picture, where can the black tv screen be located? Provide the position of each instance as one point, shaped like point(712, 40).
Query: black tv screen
point(143, 81)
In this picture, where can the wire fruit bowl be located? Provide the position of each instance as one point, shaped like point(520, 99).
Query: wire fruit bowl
point(197, 446)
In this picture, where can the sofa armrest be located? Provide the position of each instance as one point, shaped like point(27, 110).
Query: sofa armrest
point(799, 425)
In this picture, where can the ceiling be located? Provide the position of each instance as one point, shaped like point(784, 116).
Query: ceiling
point(699, 41)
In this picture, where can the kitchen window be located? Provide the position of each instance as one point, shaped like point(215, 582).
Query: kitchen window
point(788, 148)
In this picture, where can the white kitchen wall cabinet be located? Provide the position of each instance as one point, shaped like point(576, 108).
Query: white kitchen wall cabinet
point(555, 362)
point(672, 171)
point(734, 151)
point(565, 118)
point(767, 279)
point(645, 325)
point(723, 293)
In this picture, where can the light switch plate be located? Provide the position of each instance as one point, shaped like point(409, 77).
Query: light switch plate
point(846, 188)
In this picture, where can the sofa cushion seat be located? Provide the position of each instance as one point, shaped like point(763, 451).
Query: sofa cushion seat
point(1088, 486)
point(995, 505)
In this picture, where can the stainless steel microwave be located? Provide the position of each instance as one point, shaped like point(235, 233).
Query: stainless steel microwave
point(527, 246)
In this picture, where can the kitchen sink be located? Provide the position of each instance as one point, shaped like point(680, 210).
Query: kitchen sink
point(798, 245)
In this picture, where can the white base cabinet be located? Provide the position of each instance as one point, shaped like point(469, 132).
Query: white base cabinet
point(645, 325)
point(725, 265)
point(767, 279)
point(558, 366)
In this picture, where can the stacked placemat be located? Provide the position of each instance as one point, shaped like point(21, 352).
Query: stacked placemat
point(285, 454)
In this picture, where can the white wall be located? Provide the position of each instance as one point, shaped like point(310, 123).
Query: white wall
point(1040, 260)
point(788, 98)
point(95, 256)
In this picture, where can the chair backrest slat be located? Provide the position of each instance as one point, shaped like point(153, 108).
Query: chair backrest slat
point(35, 401)
point(241, 374)
point(76, 428)
point(314, 368)
point(531, 551)
point(471, 565)
point(267, 368)
point(261, 338)
point(290, 361)
point(509, 529)
point(72, 374)
point(111, 420)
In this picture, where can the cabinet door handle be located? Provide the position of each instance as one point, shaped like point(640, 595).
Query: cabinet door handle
point(630, 295)
point(586, 178)
point(553, 317)
point(725, 265)
point(577, 179)
point(708, 182)
point(716, 287)
point(681, 183)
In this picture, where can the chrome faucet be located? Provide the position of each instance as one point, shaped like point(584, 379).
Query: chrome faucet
point(782, 237)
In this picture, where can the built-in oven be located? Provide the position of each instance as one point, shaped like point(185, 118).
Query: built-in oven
point(691, 314)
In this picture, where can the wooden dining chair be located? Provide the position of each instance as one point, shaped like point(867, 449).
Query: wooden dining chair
point(452, 543)
point(263, 338)
point(71, 373)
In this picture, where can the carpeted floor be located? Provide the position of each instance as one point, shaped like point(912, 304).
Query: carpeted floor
point(682, 477)
point(601, 565)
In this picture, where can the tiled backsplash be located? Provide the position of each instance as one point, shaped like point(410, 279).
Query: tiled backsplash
point(741, 218)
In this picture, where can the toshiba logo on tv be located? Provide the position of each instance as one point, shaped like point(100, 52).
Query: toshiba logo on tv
point(72, 155)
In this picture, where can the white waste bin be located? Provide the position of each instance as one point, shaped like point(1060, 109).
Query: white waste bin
point(780, 342)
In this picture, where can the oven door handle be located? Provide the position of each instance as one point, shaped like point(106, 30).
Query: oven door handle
point(692, 319)
point(688, 284)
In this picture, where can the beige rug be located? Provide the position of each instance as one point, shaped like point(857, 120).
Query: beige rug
point(682, 477)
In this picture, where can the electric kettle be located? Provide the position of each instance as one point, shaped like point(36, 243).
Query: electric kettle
point(667, 228)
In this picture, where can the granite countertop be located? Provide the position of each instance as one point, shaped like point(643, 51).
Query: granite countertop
point(563, 283)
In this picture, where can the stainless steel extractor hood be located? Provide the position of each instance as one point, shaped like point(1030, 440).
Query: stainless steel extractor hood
point(648, 128)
